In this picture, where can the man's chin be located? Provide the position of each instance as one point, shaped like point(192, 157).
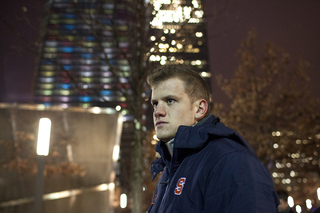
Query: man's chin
point(164, 139)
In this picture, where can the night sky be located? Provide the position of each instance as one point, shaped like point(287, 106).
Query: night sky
point(290, 24)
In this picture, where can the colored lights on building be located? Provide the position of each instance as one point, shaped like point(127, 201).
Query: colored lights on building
point(73, 59)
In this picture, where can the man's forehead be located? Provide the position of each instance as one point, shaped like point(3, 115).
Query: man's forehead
point(165, 93)
point(171, 82)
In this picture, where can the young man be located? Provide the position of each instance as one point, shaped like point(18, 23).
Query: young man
point(206, 166)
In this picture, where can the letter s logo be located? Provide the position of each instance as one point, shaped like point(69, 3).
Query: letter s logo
point(180, 184)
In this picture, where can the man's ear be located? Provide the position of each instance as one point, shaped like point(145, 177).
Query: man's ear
point(201, 109)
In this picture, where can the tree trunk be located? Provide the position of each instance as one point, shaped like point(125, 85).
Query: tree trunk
point(137, 178)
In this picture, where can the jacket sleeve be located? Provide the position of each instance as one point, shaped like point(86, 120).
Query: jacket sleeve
point(239, 182)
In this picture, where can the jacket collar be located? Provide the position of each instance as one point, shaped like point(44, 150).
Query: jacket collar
point(190, 139)
point(182, 147)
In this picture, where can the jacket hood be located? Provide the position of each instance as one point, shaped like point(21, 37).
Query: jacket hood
point(197, 137)
point(188, 139)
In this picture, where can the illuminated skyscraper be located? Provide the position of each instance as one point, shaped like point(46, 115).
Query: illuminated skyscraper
point(180, 34)
point(77, 38)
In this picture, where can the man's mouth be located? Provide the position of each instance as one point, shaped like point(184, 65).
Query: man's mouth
point(160, 123)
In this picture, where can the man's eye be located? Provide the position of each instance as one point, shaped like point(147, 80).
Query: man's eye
point(170, 101)
point(154, 104)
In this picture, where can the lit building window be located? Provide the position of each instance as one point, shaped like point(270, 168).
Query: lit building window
point(47, 86)
point(199, 13)
point(87, 74)
point(172, 49)
point(197, 62)
point(179, 46)
point(163, 57)
point(152, 58)
point(199, 34)
point(46, 79)
point(47, 74)
point(64, 92)
point(87, 80)
point(162, 45)
point(206, 74)
point(47, 92)
point(84, 98)
point(47, 67)
point(122, 99)
point(51, 43)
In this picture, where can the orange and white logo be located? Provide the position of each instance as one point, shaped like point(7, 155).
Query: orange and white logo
point(180, 185)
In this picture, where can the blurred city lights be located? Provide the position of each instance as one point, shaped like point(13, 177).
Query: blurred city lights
point(298, 209)
point(308, 203)
point(111, 186)
point(96, 110)
point(115, 155)
point(118, 108)
point(290, 201)
point(123, 201)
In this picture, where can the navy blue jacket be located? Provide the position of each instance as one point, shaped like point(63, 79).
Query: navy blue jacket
point(212, 169)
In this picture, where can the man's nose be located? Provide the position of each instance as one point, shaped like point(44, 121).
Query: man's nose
point(159, 111)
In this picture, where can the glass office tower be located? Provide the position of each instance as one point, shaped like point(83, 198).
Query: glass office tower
point(77, 39)
point(180, 34)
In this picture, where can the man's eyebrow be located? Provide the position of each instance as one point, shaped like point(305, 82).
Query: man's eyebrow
point(171, 96)
point(165, 98)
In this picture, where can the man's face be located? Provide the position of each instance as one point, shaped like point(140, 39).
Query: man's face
point(172, 108)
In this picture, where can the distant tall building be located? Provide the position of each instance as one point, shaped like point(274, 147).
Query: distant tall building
point(180, 34)
point(72, 69)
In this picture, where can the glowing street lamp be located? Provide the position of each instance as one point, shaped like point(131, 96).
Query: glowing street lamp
point(44, 136)
point(42, 151)
point(123, 201)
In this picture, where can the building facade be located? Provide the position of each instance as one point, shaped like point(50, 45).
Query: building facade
point(79, 54)
point(179, 35)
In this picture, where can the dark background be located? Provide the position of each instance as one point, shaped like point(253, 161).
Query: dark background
point(290, 24)
point(293, 25)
